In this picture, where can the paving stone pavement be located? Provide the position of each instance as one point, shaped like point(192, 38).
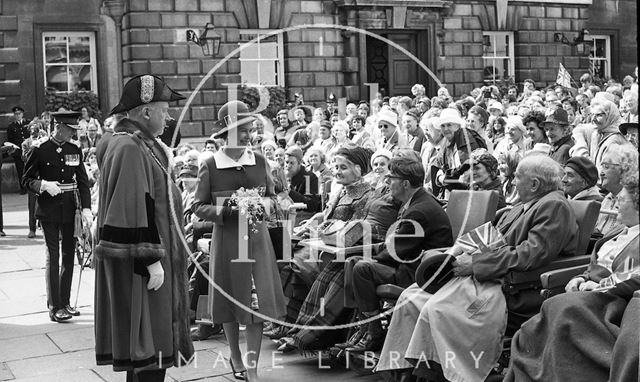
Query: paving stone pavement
point(32, 348)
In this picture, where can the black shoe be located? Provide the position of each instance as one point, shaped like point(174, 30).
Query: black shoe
point(31, 234)
point(60, 315)
point(370, 342)
point(204, 331)
point(240, 375)
point(72, 311)
point(354, 339)
point(2, 234)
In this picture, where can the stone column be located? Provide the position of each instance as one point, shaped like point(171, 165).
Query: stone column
point(112, 12)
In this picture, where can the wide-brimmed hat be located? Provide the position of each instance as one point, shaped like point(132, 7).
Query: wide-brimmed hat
point(67, 118)
point(450, 115)
point(389, 116)
point(628, 127)
point(144, 89)
point(435, 270)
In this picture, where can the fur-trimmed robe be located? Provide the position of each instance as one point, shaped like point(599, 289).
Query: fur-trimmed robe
point(137, 328)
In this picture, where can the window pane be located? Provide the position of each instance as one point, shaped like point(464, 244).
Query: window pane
point(80, 77)
point(55, 49)
point(600, 49)
point(57, 78)
point(79, 49)
point(495, 69)
point(599, 68)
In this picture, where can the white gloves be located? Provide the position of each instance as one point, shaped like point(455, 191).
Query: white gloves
point(87, 215)
point(50, 187)
point(156, 276)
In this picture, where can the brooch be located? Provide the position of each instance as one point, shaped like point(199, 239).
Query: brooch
point(59, 150)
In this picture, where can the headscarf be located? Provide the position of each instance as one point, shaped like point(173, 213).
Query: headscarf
point(612, 119)
point(358, 156)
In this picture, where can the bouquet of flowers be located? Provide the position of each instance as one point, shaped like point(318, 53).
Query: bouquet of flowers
point(250, 203)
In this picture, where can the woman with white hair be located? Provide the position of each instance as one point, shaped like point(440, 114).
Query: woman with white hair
point(460, 142)
point(514, 137)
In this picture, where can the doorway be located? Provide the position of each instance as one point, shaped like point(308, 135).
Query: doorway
point(394, 71)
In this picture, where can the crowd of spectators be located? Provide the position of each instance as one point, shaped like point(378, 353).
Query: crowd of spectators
point(397, 159)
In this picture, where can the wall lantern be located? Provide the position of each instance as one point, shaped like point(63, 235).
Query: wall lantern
point(579, 42)
point(208, 40)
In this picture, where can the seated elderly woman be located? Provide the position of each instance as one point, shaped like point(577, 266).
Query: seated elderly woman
point(460, 142)
point(483, 174)
point(350, 167)
point(451, 325)
point(616, 163)
point(580, 178)
point(591, 332)
point(325, 303)
point(379, 169)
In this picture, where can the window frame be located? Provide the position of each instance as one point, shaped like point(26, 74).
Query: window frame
point(511, 53)
point(92, 57)
point(279, 60)
point(607, 59)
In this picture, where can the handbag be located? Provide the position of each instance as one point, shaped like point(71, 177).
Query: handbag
point(345, 234)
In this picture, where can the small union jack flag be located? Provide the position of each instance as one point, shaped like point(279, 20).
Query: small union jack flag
point(486, 237)
point(564, 78)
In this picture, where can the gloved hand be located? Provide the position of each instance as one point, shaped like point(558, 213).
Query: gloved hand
point(156, 276)
point(50, 187)
point(87, 216)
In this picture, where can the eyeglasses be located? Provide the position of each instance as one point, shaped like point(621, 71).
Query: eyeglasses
point(388, 177)
point(607, 166)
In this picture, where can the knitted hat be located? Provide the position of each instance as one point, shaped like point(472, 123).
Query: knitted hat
point(585, 168)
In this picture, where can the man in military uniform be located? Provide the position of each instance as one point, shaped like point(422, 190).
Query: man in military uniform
point(55, 172)
point(17, 132)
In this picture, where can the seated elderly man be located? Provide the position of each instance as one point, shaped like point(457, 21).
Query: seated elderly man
point(537, 231)
point(591, 332)
point(422, 225)
point(580, 178)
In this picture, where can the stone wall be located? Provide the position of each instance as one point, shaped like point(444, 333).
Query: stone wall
point(149, 46)
point(617, 18)
point(537, 56)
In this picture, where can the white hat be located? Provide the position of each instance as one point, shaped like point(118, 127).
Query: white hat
point(496, 105)
point(382, 152)
point(449, 115)
point(388, 116)
point(516, 121)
